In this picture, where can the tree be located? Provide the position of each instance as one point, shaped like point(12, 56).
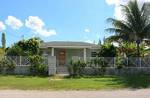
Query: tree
point(30, 46)
point(14, 51)
point(25, 47)
point(107, 50)
point(3, 41)
point(127, 49)
point(135, 27)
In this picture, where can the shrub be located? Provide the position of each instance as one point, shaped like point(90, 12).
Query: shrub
point(7, 66)
point(37, 65)
point(75, 68)
point(99, 65)
point(120, 62)
point(107, 50)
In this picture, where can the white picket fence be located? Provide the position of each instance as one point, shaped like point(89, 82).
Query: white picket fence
point(129, 62)
point(111, 61)
point(133, 65)
point(23, 60)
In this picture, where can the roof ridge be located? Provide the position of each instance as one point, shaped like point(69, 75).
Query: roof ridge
point(73, 42)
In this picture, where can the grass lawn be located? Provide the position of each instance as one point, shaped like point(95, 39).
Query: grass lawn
point(86, 83)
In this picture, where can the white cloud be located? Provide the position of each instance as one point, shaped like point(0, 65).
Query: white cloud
point(37, 26)
point(118, 13)
point(117, 10)
point(2, 26)
point(45, 32)
point(34, 23)
point(112, 2)
point(14, 22)
point(87, 30)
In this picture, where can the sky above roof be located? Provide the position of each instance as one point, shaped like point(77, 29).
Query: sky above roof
point(58, 20)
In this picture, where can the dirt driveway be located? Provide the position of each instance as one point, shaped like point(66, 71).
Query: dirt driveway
point(142, 93)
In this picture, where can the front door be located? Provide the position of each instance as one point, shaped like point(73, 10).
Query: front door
point(61, 58)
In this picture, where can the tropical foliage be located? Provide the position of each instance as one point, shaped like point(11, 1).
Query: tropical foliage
point(128, 49)
point(29, 48)
point(99, 65)
point(7, 66)
point(107, 50)
point(76, 67)
point(37, 66)
point(25, 47)
point(134, 27)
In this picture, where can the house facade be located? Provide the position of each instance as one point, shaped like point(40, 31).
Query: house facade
point(65, 51)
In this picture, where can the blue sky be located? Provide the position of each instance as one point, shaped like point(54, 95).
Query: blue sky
point(55, 20)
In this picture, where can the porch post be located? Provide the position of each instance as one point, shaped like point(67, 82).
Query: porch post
point(84, 54)
point(52, 52)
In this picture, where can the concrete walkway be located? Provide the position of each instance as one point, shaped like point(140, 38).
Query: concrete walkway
point(142, 93)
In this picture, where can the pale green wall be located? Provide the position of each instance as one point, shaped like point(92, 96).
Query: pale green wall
point(69, 53)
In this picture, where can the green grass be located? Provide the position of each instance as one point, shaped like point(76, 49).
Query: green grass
point(86, 83)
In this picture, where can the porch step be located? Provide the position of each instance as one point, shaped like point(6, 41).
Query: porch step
point(62, 70)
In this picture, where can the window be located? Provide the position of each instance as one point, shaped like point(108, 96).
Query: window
point(93, 54)
point(45, 53)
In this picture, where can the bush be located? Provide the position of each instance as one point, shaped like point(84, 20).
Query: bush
point(75, 68)
point(120, 62)
point(107, 50)
point(99, 65)
point(7, 66)
point(37, 65)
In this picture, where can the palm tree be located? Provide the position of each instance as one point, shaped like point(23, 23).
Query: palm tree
point(135, 27)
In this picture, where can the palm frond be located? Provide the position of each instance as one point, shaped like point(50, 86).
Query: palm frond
point(146, 31)
point(136, 23)
point(119, 24)
point(113, 38)
point(113, 30)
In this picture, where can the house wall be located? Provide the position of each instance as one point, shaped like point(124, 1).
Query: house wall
point(69, 53)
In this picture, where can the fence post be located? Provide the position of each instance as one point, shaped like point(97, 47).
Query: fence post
point(104, 60)
point(127, 61)
point(114, 61)
point(20, 61)
point(140, 62)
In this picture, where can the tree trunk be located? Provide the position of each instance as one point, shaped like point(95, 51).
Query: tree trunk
point(138, 47)
point(138, 52)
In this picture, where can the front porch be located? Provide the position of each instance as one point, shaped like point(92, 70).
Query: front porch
point(63, 57)
point(62, 52)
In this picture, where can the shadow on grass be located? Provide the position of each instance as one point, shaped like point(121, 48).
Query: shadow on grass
point(132, 81)
point(141, 81)
point(128, 81)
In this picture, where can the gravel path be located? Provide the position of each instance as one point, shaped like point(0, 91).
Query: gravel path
point(142, 93)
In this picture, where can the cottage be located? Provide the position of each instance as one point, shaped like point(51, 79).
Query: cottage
point(65, 51)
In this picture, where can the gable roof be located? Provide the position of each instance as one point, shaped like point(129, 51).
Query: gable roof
point(67, 44)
